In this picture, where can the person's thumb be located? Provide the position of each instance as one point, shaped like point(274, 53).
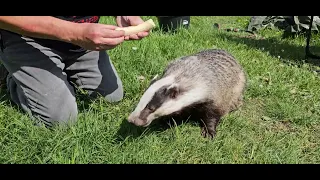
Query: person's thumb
point(136, 20)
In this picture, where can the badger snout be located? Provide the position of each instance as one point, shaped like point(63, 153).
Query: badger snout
point(131, 118)
point(137, 121)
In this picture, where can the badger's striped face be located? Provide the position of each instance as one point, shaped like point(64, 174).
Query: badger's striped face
point(162, 98)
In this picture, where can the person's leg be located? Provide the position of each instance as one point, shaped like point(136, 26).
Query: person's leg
point(3, 76)
point(36, 81)
point(93, 71)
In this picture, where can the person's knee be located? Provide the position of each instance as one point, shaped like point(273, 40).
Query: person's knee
point(116, 95)
point(65, 115)
point(59, 112)
point(57, 108)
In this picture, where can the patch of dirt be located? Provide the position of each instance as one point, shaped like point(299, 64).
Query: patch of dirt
point(252, 108)
point(280, 126)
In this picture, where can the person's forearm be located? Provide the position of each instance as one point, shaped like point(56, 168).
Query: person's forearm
point(45, 27)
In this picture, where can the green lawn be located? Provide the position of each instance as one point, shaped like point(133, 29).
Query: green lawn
point(278, 123)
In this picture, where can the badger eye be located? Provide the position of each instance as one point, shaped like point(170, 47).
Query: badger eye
point(150, 107)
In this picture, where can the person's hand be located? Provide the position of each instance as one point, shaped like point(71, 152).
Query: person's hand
point(93, 36)
point(126, 21)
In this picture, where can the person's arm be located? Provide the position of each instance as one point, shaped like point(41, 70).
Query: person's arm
point(91, 36)
point(46, 27)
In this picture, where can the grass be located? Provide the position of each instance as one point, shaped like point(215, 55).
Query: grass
point(279, 122)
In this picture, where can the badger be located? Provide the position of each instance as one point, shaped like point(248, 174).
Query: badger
point(208, 84)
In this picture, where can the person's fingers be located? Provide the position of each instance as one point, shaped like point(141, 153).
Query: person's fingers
point(138, 36)
point(134, 37)
point(112, 41)
point(107, 33)
point(134, 21)
point(126, 37)
point(121, 22)
point(142, 34)
point(107, 26)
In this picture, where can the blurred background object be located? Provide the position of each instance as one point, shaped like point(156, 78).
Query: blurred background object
point(173, 23)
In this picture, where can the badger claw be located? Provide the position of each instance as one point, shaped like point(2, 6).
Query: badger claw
point(207, 133)
point(209, 125)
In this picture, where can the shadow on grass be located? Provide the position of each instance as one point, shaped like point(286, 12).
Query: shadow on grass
point(130, 131)
point(288, 53)
point(84, 101)
point(6, 100)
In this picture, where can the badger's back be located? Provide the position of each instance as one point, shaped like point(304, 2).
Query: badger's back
point(216, 72)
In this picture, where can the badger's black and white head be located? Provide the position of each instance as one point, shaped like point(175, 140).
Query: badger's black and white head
point(164, 97)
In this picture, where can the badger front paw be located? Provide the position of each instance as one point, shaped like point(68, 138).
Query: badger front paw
point(208, 133)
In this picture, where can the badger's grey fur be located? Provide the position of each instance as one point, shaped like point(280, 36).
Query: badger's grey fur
point(209, 83)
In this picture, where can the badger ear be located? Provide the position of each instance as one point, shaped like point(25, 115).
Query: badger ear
point(173, 91)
